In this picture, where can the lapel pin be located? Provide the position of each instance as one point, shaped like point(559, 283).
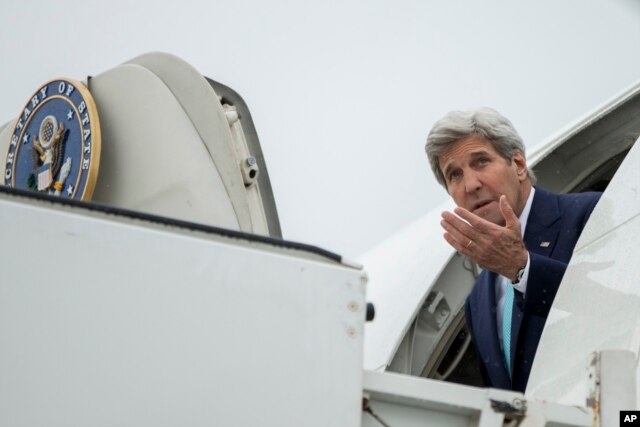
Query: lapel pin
point(545, 244)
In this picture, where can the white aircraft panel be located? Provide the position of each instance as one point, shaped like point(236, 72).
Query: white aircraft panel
point(598, 304)
point(153, 159)
point(106, 320)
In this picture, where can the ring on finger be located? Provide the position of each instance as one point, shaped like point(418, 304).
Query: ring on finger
point(469, 244)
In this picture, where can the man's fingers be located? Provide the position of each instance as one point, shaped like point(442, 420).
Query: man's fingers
point(459, 225)
point(473, 219)
point(461, 237)
point(463, 249)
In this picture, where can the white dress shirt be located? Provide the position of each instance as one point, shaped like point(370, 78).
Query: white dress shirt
point(502, 282)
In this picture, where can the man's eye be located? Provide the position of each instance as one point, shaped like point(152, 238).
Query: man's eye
point(483, 160)
point(455, 175)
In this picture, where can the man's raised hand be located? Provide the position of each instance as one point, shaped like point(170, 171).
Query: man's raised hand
point(496, 248)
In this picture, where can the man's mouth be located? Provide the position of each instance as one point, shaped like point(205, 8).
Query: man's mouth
point(481, 204)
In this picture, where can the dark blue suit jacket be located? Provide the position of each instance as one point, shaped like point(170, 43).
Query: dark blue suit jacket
point(558, 220)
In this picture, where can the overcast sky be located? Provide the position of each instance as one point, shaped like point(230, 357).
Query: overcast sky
point(343, 93)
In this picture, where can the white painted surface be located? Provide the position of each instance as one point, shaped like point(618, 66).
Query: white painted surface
point(617, 385)
point(154, 160)
point(404, 401)
point(224, 144)
point(598, 304)
point(107, 321)
point(401, 272)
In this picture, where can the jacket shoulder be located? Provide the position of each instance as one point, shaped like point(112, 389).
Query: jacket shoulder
point(579, 204)
point(586, 198)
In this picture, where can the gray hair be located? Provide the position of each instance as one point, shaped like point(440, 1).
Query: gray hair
point(485, 122)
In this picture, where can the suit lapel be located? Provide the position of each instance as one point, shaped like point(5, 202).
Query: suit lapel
point(540, 235)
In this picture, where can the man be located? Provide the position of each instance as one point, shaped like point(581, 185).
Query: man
point(522, 236)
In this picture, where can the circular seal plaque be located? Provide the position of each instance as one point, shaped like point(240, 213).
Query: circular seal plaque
point(55, 145)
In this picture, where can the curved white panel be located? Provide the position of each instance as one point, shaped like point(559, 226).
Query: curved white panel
point(598, 304)
point(153, 160)
point(401, 272)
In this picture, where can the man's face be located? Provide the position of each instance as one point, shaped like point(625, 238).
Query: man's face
point(476, 175)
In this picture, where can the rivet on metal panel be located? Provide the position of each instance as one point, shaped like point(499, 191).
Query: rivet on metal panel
point(249, 169)
point(351, 331)
point(353, 306)
point(519, 404)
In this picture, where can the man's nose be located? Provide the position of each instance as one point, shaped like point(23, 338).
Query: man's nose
point(472, 182)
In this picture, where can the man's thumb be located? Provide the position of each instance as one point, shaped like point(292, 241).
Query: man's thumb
point(508, 214)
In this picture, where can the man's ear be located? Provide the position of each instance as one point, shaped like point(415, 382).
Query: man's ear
point(521, 165)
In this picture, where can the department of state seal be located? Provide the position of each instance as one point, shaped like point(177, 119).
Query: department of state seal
point(55, 145)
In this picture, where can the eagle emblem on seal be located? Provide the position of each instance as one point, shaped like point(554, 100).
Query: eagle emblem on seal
point(47, 151)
